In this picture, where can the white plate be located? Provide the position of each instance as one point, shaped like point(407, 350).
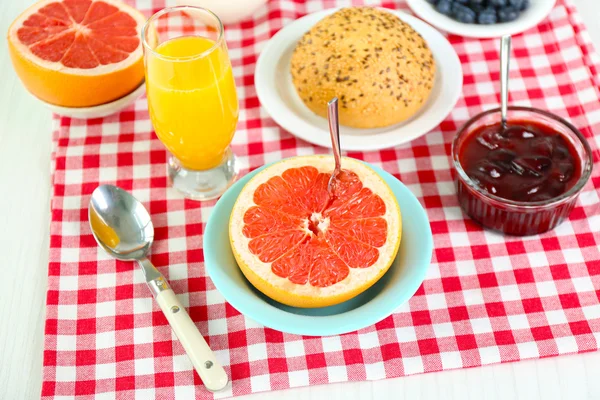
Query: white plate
point(98, 111)
point(537, 11)
point(278, 96)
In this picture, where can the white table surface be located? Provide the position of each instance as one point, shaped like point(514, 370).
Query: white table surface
point(25, 147)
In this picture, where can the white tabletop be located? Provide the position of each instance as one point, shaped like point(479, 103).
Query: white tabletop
point(25, 147)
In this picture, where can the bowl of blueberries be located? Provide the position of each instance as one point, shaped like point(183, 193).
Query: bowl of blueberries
point(482, 18)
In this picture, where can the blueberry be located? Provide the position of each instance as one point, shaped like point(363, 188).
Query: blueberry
point(508, 14)
point(477, 2)
point(457, 7)
point(462, 1)
point(524, 5)
point(444, 7)
point(434, 2)
point(466, 17)
point(463, 14)
point(498, 3)
point(477, 8)
point(487, 17)
point(515, 4)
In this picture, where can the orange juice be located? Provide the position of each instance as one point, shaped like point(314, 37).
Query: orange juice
point(192, 100)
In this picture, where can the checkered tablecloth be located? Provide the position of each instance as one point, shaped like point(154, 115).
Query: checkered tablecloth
point(486, 299)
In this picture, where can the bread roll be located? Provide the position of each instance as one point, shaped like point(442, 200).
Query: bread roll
point(381, 70)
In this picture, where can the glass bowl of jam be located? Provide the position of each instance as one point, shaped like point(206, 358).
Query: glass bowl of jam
point(522, 178)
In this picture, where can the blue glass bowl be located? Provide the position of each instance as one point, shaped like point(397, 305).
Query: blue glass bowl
point(398, 285)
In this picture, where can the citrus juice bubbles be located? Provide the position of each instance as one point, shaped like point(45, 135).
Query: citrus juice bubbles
point(192, 100)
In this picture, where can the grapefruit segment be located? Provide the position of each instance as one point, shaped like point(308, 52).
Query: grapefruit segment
point(98, 11)
point(128, 32)
point(353, 252)
point(55, 47)
point(41, 21)
point(56, 11)
point(311, 261)
point(371, 231)
point(300, 179)
point(294, 264)
point(315, 196)
point(274, 195)
point(326, 267)
point(121, 43)
point(78, 53)
point(105, 54)
point(270, 247)
point(34, 34)
point(302, 248)
point(77, 9)
point(115, 20)
point(361, 204)
point(262, 221)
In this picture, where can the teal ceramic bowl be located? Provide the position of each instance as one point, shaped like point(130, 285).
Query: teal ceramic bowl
point(398, 285)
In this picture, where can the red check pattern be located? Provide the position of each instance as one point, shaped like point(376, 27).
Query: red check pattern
point(486, 299)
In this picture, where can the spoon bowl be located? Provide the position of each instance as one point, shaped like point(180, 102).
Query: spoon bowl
point(113, 211)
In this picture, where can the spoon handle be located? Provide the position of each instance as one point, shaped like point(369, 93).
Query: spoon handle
point(505, 45)
point(211, 372)
point(334, 131)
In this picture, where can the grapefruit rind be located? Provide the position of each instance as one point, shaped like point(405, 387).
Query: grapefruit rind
point(307, 296)
point(63, 86)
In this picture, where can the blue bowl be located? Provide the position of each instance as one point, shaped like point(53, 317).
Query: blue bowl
point(398, 285)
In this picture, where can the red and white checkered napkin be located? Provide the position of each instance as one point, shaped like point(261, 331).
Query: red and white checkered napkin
point(486, 299)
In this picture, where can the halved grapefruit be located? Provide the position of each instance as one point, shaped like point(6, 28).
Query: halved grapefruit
point(300, 247)
point(78, 53)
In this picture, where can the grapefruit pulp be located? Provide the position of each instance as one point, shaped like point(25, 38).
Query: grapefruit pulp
point(302, 248)
point(78, 53)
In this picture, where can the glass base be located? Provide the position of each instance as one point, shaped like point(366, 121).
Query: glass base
point(203, 185)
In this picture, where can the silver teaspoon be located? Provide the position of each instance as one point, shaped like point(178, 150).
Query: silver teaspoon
point(123, 228)
point(334, 131)
point(505, 45)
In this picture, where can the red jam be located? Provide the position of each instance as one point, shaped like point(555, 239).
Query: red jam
point(526, 161)
point(532, 161)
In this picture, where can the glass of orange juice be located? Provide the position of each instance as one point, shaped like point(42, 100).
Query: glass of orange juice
point(192, 99)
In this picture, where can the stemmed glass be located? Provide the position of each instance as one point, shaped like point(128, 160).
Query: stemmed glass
point(192, 98)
